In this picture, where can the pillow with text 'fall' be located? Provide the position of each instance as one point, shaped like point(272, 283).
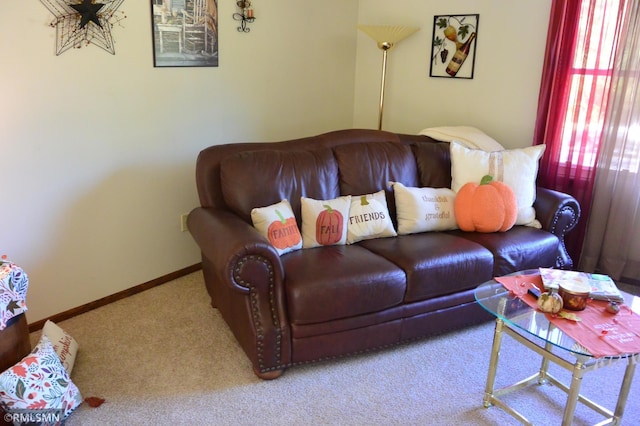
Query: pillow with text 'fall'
point(518, 168)
point(324, 222)
point(424, 209)
point(277, 223)
point(39, 382)
point(65, 346)
point(369, 218)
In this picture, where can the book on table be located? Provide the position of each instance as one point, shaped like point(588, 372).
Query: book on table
point(601, 285)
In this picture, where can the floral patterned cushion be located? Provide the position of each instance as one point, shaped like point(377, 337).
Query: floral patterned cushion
point(39, 382)
point(13, 291)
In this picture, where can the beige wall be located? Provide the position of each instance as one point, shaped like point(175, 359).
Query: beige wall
point(98, 150)
point(502, 97)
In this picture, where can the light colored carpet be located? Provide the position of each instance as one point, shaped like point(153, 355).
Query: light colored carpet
point(165, 356)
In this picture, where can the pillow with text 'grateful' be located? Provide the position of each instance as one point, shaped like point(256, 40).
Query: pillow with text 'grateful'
point(424, 209)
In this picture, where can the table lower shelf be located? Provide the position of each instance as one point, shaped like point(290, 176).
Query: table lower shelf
point(578, 369)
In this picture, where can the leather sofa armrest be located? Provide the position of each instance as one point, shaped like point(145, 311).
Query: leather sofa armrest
point(225, 240)
point(250, 268)
point(558, 213)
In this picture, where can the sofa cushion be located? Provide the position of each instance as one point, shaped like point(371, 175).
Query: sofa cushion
point(333, 282)
point(434, 163)
point(522, 247)
point(283, 175)
point(430, 260)
point(366, 168)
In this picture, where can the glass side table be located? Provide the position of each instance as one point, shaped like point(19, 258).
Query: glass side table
point(532, 329)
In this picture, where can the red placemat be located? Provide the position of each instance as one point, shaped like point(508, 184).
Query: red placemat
point(600, 332)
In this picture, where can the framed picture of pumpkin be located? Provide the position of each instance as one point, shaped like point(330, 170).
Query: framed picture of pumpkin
point(453, 46)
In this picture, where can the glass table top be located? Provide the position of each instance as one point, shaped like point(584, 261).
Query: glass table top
point(497, 300)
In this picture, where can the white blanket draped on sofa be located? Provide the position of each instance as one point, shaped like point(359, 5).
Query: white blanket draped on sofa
point(469, 136)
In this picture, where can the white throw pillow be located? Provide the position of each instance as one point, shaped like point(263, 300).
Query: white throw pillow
point(324, 222)
point(517, 168)
point(277, 223)
point(369, 218)
point(65, 346)
point(424, 209)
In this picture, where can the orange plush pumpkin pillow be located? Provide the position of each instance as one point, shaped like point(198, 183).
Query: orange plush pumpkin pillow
point(490, 206)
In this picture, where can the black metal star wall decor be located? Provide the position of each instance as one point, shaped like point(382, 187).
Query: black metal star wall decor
point(88, 12)
point(82, 22)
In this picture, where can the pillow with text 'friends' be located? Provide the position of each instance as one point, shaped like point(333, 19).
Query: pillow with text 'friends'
point(369, 218)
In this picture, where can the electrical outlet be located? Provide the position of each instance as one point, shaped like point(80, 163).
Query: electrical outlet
point(183, 222)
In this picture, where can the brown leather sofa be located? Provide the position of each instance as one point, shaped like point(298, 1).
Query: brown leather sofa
point(317, 304)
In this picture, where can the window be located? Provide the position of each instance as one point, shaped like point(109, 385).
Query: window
point(590, 83)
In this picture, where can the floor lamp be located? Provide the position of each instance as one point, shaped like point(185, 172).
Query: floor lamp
point(386, 36)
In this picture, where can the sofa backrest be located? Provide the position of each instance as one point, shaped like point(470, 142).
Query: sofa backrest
point(260, 178)
point(242, 176)
point(433, 160)
point(366, 168)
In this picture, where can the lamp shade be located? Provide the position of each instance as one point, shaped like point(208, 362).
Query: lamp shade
point(390, 34)
point(386, 36)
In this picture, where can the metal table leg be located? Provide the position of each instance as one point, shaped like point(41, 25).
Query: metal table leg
point(493, 363)
point(574, 393)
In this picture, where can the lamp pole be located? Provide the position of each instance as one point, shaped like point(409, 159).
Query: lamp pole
point(386, 36)
point(385, 46)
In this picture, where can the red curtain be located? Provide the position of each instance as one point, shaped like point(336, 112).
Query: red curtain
point(572, 101)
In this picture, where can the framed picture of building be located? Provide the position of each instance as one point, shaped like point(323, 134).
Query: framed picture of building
point(185, 33)
point(453, 46)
